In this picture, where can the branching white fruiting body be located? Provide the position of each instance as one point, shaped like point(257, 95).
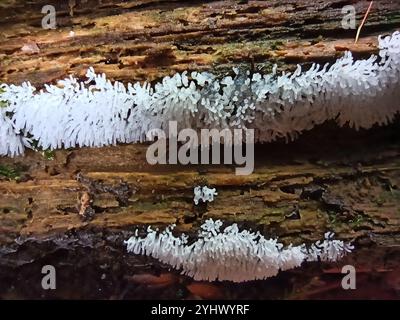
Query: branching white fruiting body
point(11, 142)
point(231, 254)
point(204, 194)
point(97, 112)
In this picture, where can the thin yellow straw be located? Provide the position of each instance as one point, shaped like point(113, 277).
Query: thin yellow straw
point(363, 22)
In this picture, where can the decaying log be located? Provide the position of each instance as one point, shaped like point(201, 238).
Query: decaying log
point(146, 40)
point(345, 182)
point(73, 208)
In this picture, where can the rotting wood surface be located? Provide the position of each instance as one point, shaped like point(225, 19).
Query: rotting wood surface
point(146, 40)
point(330, 179)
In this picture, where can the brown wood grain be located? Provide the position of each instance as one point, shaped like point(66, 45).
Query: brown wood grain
point(336, 179)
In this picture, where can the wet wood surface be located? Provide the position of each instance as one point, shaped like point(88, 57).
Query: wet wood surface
point(329, 179)
point(146, 40)
point(73, 208)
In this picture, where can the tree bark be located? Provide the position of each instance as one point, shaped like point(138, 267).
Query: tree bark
point(74, 208)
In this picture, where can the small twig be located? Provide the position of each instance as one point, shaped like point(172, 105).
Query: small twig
point(363, 22)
